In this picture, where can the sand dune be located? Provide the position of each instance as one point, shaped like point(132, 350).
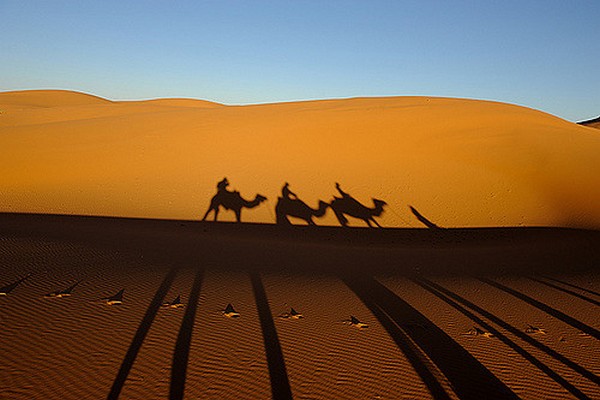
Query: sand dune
point(25, 99)
point(457, 162)
point(592, 123)
point(532, 292)
point(419, 291)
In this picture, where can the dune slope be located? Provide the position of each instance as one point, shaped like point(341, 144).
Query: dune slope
point(457, 162)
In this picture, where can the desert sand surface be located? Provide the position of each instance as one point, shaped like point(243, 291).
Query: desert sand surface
point(451, 313)
point(482, 284)
point(457, 162)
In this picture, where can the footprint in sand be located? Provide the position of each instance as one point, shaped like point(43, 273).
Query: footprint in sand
point(353, 321)
point(293, 314)
point(116, 299)
point(230, 312)
point(62, 293)
point(534, 330)
point(4, 291)
point(175, 303)
point(475, 331)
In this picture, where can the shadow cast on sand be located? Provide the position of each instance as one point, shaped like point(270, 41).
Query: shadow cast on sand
point(231, 201)
point(422, 219)
point(458, 365)
point(280, 385)
point(298, 209)
point(471, 251)
point(289, 205)
point(572, 293)
point(5, 290)
point(419, 362)
point(455, 301)
point(544, 307)
point(573, 286)
point(184, 339)
point(348, 205)
point(63, 293)
point(140, 335)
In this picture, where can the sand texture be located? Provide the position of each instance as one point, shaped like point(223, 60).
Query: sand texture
point(458, 163)
point(420, 291)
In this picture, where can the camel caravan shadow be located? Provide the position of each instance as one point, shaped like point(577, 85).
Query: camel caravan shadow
point(348, 205)
point(289, 205)
point(231, 201)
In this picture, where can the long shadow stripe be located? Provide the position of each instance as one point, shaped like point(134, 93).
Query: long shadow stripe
point(184, 339)
point(546, 308)
point(458, 365)
point(524, 353)
point(572, 293)
point(573, 286)
point(521, 335)
point(413, 354)
point(280, 385)
point(140, 335)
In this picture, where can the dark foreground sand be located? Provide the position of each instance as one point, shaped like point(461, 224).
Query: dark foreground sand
point(420, 291)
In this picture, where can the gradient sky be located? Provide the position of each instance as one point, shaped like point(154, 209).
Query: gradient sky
point(542, 54)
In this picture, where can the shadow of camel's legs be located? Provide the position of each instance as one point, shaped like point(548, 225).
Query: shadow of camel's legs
point(280, 385)
point(341, 218)
point(459, 366)
point(524, 353)
point(184, 339)
point(545, 307)
point(206, 214)
point(140, 334)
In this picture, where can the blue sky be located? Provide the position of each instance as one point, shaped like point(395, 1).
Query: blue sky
point(542, 54)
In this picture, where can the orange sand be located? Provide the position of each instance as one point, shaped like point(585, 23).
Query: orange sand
point(416, 343)
point(458, 162)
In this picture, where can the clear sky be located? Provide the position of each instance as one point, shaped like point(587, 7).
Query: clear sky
point(543, 54)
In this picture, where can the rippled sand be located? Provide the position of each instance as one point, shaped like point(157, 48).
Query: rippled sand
point(420, 293)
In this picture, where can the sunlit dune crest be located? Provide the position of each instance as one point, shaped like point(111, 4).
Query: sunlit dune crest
point(456, 162)
point(24, 99)
point(592, 123)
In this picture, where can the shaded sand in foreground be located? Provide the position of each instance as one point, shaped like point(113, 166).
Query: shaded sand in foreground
point(419, 291)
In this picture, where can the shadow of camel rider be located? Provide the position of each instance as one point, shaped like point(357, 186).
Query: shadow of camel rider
point(222, 185)
point(287, 194)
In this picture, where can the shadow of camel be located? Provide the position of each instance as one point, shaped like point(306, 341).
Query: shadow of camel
point(348, 205)
point(231, 201)
point(289, 205)
point(297, 208)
